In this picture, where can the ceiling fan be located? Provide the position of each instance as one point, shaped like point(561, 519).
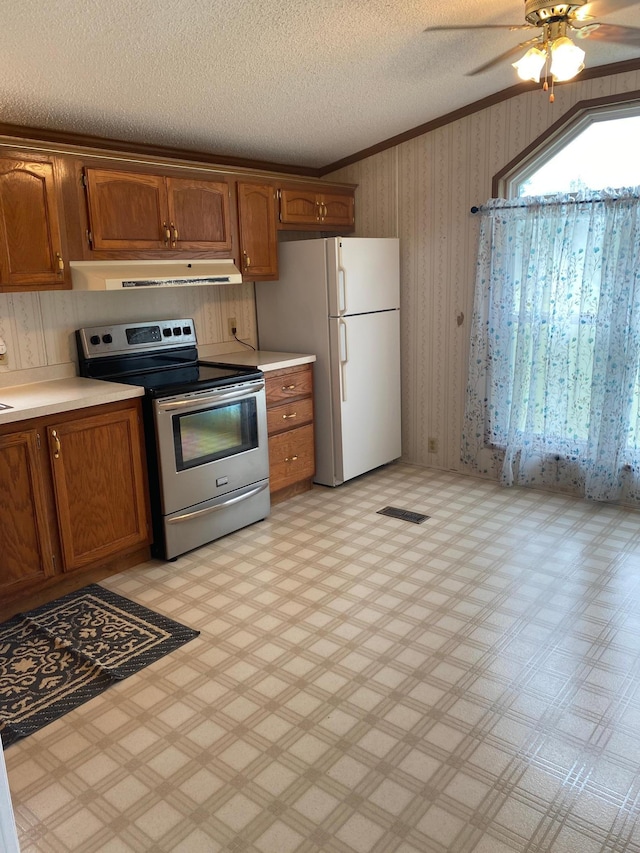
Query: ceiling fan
point(551, 46)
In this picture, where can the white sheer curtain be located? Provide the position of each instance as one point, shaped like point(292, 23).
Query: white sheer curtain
point(553, 390)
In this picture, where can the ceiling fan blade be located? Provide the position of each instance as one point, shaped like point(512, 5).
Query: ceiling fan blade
point(501, 58)
point(600, 8)
point(611, 32)
point(452, 27)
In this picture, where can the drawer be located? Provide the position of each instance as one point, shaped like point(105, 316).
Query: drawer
point(290, 415)
point(282, 385)
point(291, 457)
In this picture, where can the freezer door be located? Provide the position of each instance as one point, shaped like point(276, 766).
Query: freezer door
point(363, 274)
point(365, 373)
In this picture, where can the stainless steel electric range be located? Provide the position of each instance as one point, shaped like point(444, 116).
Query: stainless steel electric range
point(205, 429)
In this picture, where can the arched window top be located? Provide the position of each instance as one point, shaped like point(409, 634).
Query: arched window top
point(591, 148)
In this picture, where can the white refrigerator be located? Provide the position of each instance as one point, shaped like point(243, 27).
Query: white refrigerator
point(339, 298)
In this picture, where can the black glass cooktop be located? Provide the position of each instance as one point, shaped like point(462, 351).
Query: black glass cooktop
point(199, 376)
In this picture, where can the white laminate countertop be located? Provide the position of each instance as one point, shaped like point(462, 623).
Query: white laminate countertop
point(264, 359)
point(60, 395)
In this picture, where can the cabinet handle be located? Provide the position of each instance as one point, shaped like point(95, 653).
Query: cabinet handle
point(247, 260)
point(175, 233)
point(319, 213)
point(60, 263)
point(290, 458)
point(167, 233)
point(56, 444)
point(288, 387)
point(292, 415)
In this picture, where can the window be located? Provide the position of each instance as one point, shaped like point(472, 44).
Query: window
point(592, 147)
point(554, 381)
point(603, 155)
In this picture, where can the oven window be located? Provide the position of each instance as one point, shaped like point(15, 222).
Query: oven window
point(214, 433)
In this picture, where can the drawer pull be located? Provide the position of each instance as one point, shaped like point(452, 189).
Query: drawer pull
point(288, 387)
point(290, 458)
point(292, 415)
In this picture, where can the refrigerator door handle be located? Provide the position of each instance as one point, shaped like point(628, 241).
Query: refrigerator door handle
point(342, 295)
point(344, 358)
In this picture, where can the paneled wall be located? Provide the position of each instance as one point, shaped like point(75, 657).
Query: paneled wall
point(421, 191)
point(38, 327)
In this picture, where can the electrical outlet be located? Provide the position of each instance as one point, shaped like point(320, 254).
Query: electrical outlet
point(232, 326)
point(433, 445)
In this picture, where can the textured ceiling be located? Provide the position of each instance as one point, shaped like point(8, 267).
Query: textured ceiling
point(302, 82)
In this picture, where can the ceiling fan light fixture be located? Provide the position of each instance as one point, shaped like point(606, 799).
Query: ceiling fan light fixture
point(530, 66)
point(567, 59)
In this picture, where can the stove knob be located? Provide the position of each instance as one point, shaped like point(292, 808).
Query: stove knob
point(166, 332)
point(186, 330)
point(107, 339)
point(177, 330)
point(94, 339)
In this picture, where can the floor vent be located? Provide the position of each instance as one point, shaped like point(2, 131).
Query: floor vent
point(403, 514)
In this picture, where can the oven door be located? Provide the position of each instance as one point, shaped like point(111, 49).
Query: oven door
point(210, 443)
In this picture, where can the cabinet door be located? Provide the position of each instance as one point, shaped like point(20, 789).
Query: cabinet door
point(30, 245)
point(291, 457)
point(199, 218)
point(127, 211)
point(99, 482)
point(299, 207)
point(337, 209)
point(257, 226)
point(24, 534)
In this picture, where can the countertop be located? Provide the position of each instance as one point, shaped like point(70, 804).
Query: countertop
point(60, 395)
point(264, 359)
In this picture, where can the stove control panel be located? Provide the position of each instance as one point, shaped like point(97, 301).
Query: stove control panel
point(122, 338)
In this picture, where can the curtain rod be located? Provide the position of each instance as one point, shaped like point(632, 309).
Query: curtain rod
point(479, 209)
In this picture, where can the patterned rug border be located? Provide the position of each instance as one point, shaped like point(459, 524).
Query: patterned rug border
point(79, 663)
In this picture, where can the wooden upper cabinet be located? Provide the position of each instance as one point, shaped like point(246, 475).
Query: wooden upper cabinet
point(199, 218)
point(299, 207)
point(139, 212)
point(258, 230)
point(316, 209)
point(31, 253)
point(127, 211)
point(338, 209)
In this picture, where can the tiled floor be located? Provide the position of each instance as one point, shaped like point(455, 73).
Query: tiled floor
point(365, 684)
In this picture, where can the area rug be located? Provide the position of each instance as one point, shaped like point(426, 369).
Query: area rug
point(62, 654)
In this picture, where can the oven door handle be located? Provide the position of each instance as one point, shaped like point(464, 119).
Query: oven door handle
point(188, 516)
point(215, 397)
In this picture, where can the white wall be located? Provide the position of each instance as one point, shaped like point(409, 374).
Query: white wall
point(421, 191)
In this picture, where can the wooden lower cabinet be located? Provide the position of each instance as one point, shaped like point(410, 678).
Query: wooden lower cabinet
point(25, 544)
point(73, 498)
point(99, 485)
point(290, 428)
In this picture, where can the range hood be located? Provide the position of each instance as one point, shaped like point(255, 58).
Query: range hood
point(139, 275)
